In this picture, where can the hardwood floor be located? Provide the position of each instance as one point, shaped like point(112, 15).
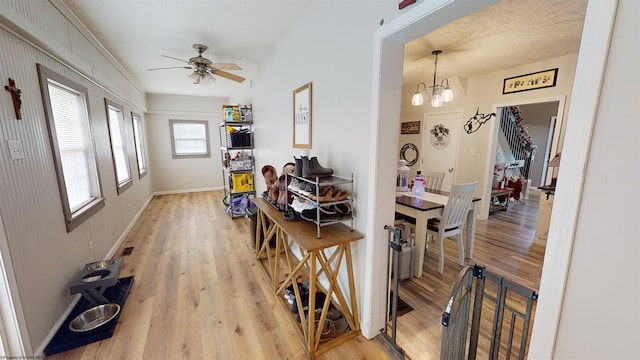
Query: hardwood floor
point(199, 294)
point(503, 244)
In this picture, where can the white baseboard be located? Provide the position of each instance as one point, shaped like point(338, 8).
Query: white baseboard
point(168, 192)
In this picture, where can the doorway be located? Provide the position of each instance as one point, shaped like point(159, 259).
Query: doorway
point(388, 53)
point(543, 121)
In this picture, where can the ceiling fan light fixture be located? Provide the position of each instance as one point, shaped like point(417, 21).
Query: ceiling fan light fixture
point(207, 79)
point(195, 77)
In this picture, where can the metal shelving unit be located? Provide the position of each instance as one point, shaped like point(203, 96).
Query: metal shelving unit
point(319, 182)
point(237, 156)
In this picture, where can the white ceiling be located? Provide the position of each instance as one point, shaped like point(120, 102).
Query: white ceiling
point(137, 33)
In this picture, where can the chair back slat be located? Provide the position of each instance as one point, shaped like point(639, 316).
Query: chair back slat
point(457, 208)
point(433, 180)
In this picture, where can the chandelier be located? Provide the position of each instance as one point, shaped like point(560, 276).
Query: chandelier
point(437, 94)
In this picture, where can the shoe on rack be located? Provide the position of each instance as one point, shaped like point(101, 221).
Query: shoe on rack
point(294, 184)
point(291, 215)
point(343, 209)
point(311, 168)
point(298, 164)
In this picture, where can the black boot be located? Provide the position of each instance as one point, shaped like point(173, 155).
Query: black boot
point(311, 167)
point(298, 170)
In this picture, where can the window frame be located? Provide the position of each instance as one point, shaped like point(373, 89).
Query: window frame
point(139, 144)
point(126, 183)
point(96, 202)
point(190, 156)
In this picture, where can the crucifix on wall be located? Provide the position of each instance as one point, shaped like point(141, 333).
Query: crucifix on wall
point(15, 96)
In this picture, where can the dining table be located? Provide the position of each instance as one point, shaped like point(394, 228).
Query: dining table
point(427, 206)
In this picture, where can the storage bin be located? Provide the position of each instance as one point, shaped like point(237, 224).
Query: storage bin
point(242, 182)
point(240, 139)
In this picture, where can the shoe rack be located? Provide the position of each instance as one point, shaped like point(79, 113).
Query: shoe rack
point(322, 201)
point(291, 253)
point(236, 153)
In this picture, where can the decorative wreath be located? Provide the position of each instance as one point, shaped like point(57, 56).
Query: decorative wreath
point(403, 153)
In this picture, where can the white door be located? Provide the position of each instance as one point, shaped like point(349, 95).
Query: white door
point(440, 145)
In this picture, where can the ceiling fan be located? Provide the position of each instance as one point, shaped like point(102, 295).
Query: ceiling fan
point(204, 69)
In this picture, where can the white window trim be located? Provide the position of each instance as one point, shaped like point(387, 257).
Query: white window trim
point(207, 139)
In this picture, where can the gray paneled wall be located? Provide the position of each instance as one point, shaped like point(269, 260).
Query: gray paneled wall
point(45, 257)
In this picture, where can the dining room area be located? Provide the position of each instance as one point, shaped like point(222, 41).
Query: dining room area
point(502, 244)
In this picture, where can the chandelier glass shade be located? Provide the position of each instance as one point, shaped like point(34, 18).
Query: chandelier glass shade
point(436, 94)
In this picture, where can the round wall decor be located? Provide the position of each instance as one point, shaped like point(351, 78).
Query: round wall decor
point(409, 153)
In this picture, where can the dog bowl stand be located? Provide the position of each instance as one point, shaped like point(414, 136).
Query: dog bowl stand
point(93, 291)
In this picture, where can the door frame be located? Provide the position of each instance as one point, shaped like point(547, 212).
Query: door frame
point(12, 342)
point(494, 130)
point(386, 90)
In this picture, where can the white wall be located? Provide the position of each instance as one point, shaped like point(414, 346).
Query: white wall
point(42, 258)
point(331, 47)
point(171, 175)
point(600, 313)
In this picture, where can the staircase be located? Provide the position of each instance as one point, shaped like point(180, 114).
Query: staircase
point(514, 144)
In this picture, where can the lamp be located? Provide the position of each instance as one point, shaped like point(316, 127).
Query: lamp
point(202, 77)
point(554, 163)
point(437, 94)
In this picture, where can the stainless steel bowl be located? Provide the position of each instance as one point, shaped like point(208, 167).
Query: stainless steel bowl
point(100, 265)
point(94, 317)
point(95, 276)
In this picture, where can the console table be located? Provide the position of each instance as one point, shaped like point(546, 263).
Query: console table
point(298, 253)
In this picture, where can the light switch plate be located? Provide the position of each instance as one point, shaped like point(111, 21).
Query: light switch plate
point(15, 149)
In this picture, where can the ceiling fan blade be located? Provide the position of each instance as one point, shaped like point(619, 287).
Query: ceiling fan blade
point(226, 66)
point(225, 74)
point(229, 76)
point(172, 67)
point(174, 58)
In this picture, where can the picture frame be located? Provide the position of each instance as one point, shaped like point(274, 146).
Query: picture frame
point(532, 81)
point(302, 117)
point(410, 127)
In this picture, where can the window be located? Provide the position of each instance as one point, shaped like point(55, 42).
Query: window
point(189, 138)
point(115, 120)
point(67, 114)
point(138, 138)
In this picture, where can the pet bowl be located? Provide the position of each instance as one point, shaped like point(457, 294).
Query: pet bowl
point(94, 317)
point(100, 265)
point(95, 276)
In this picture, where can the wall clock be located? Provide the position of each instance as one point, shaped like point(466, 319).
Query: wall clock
point(409, 153)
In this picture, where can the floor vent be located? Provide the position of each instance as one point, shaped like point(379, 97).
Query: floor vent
point(127, 251)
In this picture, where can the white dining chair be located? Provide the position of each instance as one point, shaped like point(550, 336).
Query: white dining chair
point(433, 180)
point(452, 220)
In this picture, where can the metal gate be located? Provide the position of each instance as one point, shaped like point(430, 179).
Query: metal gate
point(511, 305)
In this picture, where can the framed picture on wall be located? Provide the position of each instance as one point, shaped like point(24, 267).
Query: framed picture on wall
point(302, 117)
point(410, 127)
point(537, 80)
